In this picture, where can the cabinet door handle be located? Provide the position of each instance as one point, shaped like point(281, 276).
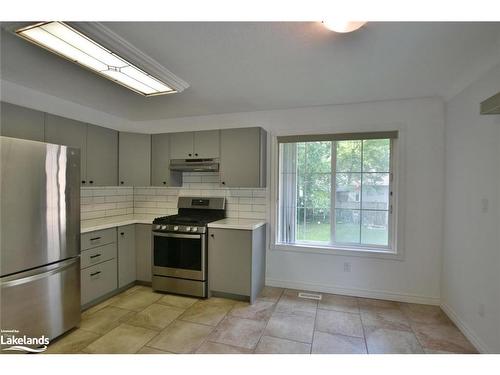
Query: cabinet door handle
point(164, 182)
point(95, 239)
point(223, 183)
point(95, 273)
point(83, 181)
point(190, 154)
point(212, 236)
point(122, 233)
point(91, 181)
point(95, 256)
point(122, 182)
point(195, 154)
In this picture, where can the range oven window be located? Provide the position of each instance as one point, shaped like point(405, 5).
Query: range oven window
point(173, 252)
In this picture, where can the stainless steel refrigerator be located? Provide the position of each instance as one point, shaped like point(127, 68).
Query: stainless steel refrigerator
point(40, 238)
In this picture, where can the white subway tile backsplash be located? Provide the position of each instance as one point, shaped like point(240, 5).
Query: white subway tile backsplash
point(261, 201)
point(259, 208)
point(244, 207)
point(86, 193)
point(100, 202)
point(259, 192)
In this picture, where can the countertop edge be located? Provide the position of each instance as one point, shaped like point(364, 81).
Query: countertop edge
point(114, 225)
point(241, 226)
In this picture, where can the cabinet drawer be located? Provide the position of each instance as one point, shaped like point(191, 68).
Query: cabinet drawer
point(98, 280)
point(98, 238)
point(98, 255)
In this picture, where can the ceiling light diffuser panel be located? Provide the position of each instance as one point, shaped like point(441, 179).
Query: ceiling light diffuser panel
point(71, 44)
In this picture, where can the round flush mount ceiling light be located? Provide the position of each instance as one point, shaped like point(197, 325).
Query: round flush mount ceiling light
point(343, 26)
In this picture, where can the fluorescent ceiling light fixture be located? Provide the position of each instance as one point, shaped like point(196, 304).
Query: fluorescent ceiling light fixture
point(71, 44)
point(343, 26)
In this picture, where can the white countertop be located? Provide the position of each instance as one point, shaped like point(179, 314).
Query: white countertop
point(117, 221)
point(245, 224)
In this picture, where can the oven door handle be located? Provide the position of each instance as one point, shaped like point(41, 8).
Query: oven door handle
point(178, 235)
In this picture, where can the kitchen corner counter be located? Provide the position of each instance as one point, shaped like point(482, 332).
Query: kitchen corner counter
point(243, 224)
point(117, 221)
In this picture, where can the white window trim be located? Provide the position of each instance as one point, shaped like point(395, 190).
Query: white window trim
point(396, 251)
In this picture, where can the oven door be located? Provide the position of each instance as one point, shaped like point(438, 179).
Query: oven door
point(179, 255)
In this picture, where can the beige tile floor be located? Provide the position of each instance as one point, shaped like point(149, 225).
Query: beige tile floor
point(142, 321)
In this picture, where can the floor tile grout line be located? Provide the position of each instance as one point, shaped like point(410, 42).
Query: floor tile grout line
point(410, 321)
point(267, 322)
point(363, 327)
point(314, 327)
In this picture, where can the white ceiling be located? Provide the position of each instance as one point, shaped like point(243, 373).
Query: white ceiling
point(239, 67)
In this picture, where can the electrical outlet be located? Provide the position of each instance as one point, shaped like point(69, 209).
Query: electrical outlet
point(347, 267)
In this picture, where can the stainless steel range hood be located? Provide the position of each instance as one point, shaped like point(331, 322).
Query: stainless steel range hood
point(194, 165)
point(491, 106)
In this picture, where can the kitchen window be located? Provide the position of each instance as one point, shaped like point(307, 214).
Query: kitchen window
point(336, 191)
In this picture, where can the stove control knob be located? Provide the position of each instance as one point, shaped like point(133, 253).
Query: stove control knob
point(195, 229)
point(188, 229)
point(176, 227)
point(157, 226)
point(163, 227)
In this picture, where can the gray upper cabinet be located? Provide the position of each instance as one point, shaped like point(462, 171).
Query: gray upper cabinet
point(206, 144)
point(64, 131)
point(21, 122)
point(243, 157)
point(195, 145)
point(102, 156)
point(181, 145)
point(160, 160)
point(134, 159)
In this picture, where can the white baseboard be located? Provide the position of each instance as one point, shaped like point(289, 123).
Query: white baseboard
point(469, 333)
point(366, 293)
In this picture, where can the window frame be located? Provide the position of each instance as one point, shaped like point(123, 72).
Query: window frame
point(394, 250)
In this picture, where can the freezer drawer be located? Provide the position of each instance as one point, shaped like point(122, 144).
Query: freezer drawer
point(98, 280)
point(44, 301)
point(98, 255)
point(98, 238)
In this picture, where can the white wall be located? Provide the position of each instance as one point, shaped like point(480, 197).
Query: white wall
point(421, 124)
point(471, 255)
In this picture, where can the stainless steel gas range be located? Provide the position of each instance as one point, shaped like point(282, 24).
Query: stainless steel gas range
point(180, 246)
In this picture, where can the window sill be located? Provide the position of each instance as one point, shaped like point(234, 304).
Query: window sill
point(337, 250)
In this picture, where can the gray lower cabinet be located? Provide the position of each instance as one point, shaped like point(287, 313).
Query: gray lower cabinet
point(143, 253)
point(97, 281)
point(243, 157)
point(160, 162)
point(21, 122)
point(126, 255)
point(102, 156)
point(64, 131)
point(97, 238)
point(236, 262)
point(99, 274)
point(134, 159)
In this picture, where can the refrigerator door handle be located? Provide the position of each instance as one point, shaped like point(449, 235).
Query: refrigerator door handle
point(14, 280)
